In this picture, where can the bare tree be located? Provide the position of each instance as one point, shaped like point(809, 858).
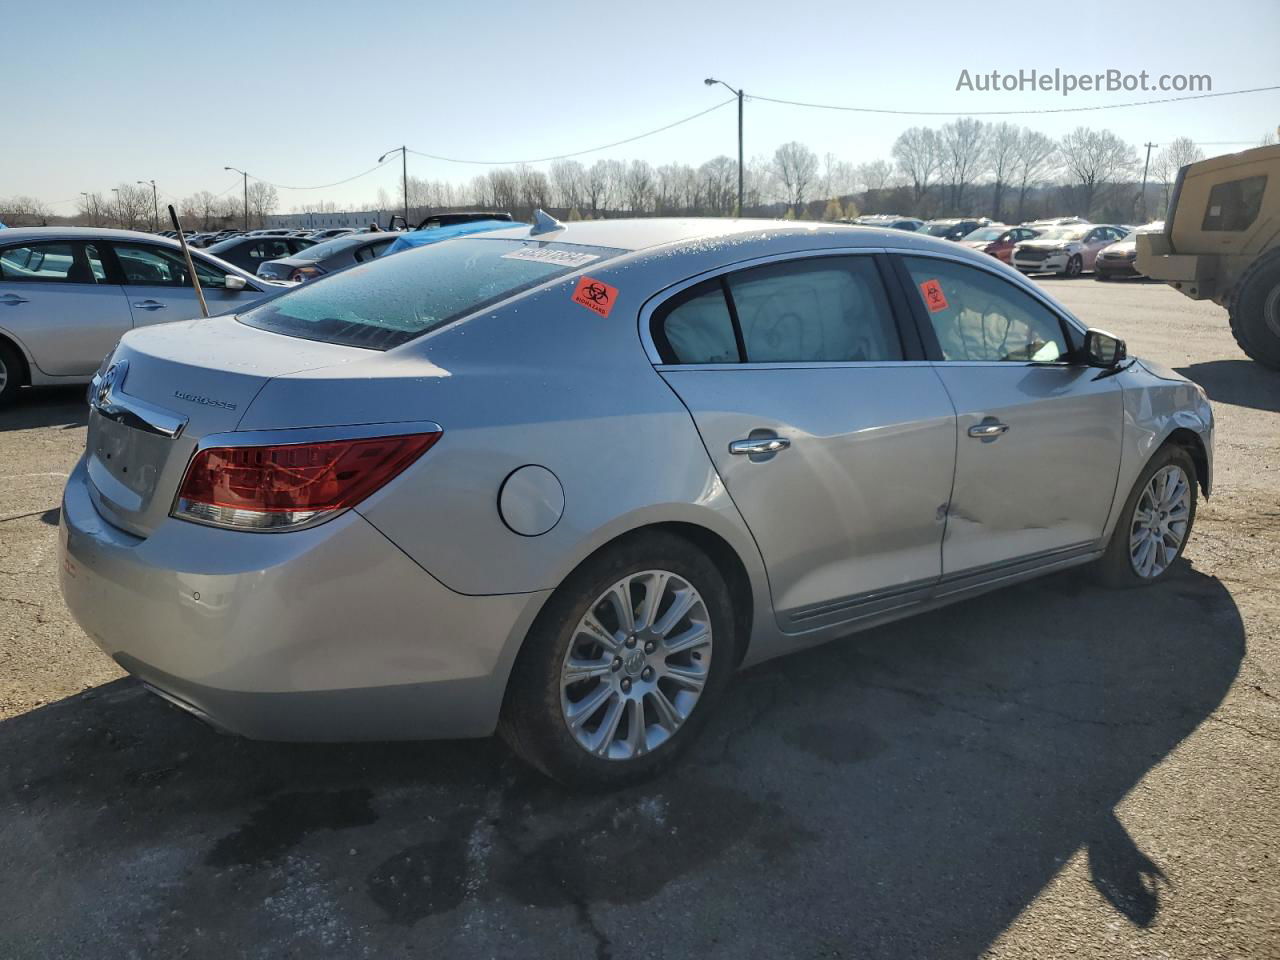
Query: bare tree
point(1002, 144)
point(263, 200)
point(1094, 158)
point(566, 181)
point(595, 187)
point(504, 189)
point(719, 177)
point(638, 185)
point(24, 212)
point(965, 156)
point(131, 206)
point(1034, 160)
point(796, 167)
point(1176, 155)
point(535, 189)
point(918, 153)
point(90, 208)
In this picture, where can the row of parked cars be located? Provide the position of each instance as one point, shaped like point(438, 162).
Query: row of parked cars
point(1068, 246)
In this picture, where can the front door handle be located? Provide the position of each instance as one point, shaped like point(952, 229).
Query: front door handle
point(759, 446)
point(988, 430)
point(12, 299)
point(150, 305)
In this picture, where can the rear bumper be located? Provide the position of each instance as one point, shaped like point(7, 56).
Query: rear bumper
point(323, 634)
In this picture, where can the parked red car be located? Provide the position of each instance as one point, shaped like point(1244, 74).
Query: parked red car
point(998, 239)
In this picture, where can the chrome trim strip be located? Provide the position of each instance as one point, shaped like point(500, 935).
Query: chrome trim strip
point(108, 400)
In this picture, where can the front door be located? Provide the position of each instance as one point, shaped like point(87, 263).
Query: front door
point(159, 289)
point(837, 449)
point(56, 298)
point(1038, 436)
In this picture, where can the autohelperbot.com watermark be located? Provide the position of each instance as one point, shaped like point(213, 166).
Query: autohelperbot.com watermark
point(1066, 82)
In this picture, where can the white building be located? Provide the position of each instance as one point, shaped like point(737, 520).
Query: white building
point(319, 221)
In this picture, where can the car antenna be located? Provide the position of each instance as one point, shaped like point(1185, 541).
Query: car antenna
point(544, 222)
point(191, 267)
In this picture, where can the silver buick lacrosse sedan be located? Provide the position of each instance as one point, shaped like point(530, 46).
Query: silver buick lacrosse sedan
point(561, 481)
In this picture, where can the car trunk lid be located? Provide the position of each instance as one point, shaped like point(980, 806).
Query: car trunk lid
point(168, 387)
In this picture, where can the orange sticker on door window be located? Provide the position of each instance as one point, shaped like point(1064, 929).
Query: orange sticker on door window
point(595, 295)
point(933, 296)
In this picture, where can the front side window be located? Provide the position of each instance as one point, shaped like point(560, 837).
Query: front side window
point(978, 316)
point(826, 310)
point(1234, 205)
point(145, 265)
point(54, 261)
point(391, 300)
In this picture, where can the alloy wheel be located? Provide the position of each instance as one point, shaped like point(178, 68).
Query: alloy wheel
point(636, 666)
point(4, 374)
point(1159, 522)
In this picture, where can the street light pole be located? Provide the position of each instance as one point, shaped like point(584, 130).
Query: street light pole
point(711, 82)
point(155, 206)
point(119, 206)
point(91, 205)
point(1142, 197)
point(246, 195)
point(404, 175)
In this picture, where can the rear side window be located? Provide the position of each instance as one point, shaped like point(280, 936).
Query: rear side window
point(149, 266)
point(65, 261)
point(391, 300)
point(696, 326)
point(1234, 205)
point(827, 310)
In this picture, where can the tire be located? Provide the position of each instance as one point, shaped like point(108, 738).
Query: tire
point(1254, 311)
point(11, 374)
point(536, 716)
point(1118, 566)
point(1075, 266)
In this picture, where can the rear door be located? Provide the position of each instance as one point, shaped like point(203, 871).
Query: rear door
point(159, 289)
point(1038, 436)
point(59, 300)
point(834, 438)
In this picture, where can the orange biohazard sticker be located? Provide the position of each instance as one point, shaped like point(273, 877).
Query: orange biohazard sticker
point(934, 299)
point(596, 295)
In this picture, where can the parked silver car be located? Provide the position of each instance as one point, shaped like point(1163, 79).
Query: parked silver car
point(1068, 251)
point(564, 480)
point(67, 294)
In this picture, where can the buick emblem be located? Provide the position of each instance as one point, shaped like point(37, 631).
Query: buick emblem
point(113, 378)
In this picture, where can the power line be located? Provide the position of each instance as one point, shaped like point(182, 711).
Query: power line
point(578, 153)
point(1006, 113)
point(322, 186)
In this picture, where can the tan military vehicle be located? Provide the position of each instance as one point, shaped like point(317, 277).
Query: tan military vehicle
point(1221, 242)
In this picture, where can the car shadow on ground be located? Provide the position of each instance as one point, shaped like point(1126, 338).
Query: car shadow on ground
point(46, 407)
point(905, 792)
point(1240, 382)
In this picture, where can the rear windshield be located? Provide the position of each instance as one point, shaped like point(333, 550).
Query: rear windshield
point(389, 301)
point(327, 248)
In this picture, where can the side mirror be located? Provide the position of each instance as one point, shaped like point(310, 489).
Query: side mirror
point(1103, 350)
point(233, 282)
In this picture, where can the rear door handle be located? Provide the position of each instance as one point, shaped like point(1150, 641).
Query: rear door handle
point(989, 430)
point(12, 299)
point(759, 446)
point(150, 305)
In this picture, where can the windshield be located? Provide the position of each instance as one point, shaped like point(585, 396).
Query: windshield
point(938, 229)
point(987, 233)
point(389, 301)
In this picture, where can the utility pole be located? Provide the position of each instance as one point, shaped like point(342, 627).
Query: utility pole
point(246, 195)
point(404, 176)
point(1142, 197)
point(711, 82)
point(155, 205)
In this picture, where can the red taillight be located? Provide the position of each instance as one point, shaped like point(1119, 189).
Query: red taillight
point(291, 484)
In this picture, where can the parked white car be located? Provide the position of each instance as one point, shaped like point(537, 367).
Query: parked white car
point(1068, 251)
point(68, 294)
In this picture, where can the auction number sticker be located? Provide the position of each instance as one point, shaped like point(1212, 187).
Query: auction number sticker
point(558, 258)
point(596, 295)
point(934, 298)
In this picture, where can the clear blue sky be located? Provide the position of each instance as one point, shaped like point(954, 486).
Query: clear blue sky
point(307, 94)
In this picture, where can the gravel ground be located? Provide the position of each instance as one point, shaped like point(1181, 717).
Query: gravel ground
point(1051, 770)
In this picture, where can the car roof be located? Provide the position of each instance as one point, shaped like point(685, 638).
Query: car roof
point(84, 233)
